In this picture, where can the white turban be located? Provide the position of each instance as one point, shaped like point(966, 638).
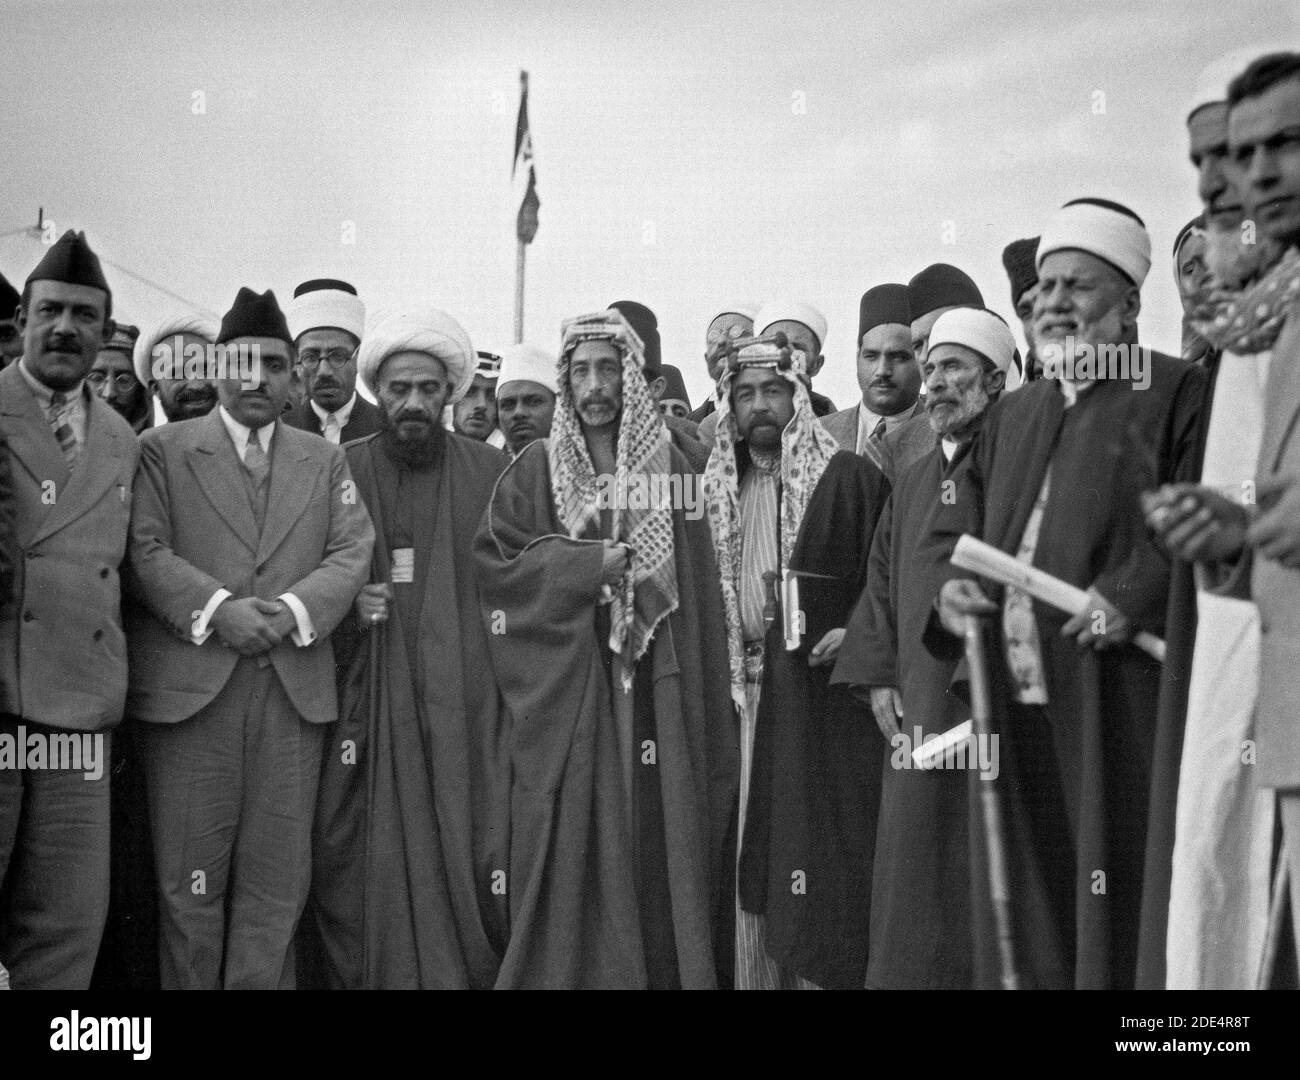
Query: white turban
point(318, 304)
point(203, 326)
point(528, 363)
point(775, 311)
point(1213, 80)
point(418, 329)
point(748, 311)
point(1112, 236)
point(979, 330)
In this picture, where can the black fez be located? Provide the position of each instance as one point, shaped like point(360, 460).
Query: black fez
point(941, 285)
point(70, 260)
point(1018, 261)
point(9, 298)
point(676, 388)
point(643, 321)
point(252, 315)
point(882, 304)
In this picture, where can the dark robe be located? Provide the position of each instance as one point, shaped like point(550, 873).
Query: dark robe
point(596, 900)
point(411, 847)
point(815, 785)
point(920, 895)
point(1075, 775)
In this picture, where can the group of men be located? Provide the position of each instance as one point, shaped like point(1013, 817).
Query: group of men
point(516, 672)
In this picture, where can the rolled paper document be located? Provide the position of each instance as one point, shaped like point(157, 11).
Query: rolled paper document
point(987, 561)
point(932, 750)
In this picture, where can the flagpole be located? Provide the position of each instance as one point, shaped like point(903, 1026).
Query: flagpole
point(519, 291)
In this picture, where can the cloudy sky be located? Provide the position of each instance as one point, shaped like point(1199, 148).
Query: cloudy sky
point(689, 154)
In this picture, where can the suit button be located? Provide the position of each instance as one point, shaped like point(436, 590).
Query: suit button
point(98, 635)
point(28, 616)
point(104, 573)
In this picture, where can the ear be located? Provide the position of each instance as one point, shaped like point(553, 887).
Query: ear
point(20, 316)
point(657, 387)
point(995, 382)
point(1130, 306)
point(815, 364)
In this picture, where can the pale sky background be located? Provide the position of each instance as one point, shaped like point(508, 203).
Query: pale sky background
point(689, 155)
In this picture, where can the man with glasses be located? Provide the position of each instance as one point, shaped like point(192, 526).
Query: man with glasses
point(113, 379)
point(327, 320)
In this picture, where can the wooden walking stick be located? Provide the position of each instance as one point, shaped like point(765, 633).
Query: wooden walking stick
point(1276, 912)
point(991, 805)
point(377, 645)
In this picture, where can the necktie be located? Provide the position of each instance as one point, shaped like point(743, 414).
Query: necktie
point(332, 430)
point(871, 448)
point(60, 422)
point(255, 461)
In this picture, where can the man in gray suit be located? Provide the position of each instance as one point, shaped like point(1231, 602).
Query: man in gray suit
point(888, 373)
point(62, 650)
point(248, 545)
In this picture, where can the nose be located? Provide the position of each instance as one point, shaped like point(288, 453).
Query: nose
point(1212, 180)
point(105, 389)
point(1057, 298)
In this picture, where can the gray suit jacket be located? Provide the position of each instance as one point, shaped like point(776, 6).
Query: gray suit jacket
point(1276, 589)
point(62, 648)
point(901, 446)
point(193, 532)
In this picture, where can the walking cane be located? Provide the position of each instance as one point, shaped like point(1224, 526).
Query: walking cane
point(991, 804)
point(376, 645)
point(1276, 911)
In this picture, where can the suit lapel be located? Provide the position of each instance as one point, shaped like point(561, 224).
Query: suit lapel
point(220, 476)
point(98, 467)
point(291, 474)
point(31, 443)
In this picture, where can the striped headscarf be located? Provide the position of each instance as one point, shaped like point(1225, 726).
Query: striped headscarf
point(806, 449)
point(648, 591)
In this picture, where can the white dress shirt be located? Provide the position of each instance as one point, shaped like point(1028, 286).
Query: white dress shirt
point(340, 416)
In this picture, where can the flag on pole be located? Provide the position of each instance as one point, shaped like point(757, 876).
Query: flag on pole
point(526, 222)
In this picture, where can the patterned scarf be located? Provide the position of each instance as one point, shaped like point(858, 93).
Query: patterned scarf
point(806, 449)
point(648, 592)
point(1248, 321)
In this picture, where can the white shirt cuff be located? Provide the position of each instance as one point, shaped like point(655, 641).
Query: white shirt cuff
point(305, 633)
point(201, 631)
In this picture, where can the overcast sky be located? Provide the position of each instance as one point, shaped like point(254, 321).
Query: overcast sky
point(689, 154)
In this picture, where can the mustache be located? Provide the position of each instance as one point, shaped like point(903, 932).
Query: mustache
point(596, 399)
point(62, 343)
point(413, 416)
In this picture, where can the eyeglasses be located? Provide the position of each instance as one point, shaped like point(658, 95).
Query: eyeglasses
point(337, 358)
point(124, 382)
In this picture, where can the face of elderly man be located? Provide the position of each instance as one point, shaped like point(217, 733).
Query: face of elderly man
point(257, 405)
point(412, 388)
point(113, 378)
point(524, 411)
point(1190, 269)
point(1207, 136)
point(64, 326)
point(1264, 144)
point(475, 414)
point(596, 383)
point(959, 385)
point(185, 399)
point(1082, 299)
point(888, 373)
point(725, 328)
point(327, 358)
point(763, 401)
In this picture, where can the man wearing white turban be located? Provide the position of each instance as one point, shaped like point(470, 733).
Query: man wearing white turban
point(526, 389)
point(1053, 479)
point(411, 841)
point(156, 356)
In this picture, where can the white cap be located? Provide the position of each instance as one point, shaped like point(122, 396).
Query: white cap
point(528, 363)
point(775, 311)
point(418, 329)
point(203, 326)
point(326, 302)
point(1109, 234)
point(979, 330)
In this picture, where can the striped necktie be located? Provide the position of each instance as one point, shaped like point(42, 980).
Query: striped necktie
point(871, 448)
point(60, 419)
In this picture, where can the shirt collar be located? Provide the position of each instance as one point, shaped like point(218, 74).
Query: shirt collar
point(43, 393)
point(239, 433)
point(342, 413)
point(868, 420)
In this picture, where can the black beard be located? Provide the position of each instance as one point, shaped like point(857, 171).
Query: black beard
point(418, 454)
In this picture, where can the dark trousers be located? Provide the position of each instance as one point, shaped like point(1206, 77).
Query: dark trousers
point(54, 869)
point(232, 790)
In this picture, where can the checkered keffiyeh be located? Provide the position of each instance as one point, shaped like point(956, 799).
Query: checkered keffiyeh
point(648, 591)
point(806, 450)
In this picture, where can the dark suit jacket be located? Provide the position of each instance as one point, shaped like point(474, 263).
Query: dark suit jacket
point(365, 419)
point(193, 532)
point(62, 647)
